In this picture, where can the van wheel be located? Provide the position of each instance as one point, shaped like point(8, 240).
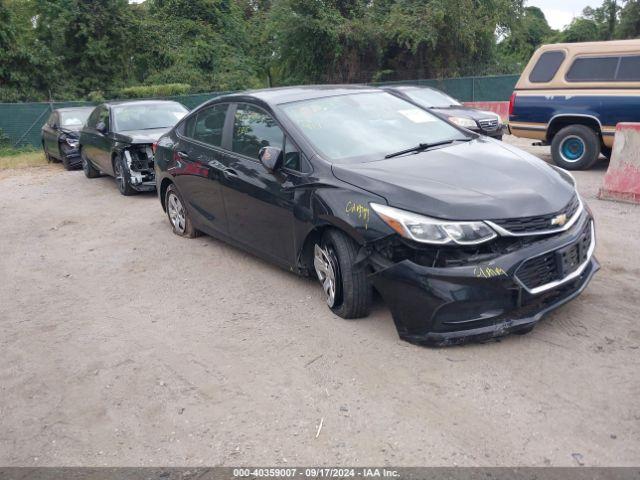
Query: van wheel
point(606, 152)
point(347, 289)
point(576, 147)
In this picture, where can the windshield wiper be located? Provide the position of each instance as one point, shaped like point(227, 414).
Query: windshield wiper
point(425, 146)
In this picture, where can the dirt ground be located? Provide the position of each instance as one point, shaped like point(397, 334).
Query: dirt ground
point(122, 344)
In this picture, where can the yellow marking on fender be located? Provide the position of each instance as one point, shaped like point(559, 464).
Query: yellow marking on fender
point(361, 211)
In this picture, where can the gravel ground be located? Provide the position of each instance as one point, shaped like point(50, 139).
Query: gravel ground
point(122, 344)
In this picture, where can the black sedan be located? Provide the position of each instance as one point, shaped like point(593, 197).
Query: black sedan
point(60, 135)
point(463, 236)
point(479, 121)
point(118, 140)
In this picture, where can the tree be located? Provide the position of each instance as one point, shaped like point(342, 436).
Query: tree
point(629, 26)
point(527, 34)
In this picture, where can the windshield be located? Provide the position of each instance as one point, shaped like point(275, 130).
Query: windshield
point(366, 126)
point(147, 116)
point(74, 118)
point(431, 98)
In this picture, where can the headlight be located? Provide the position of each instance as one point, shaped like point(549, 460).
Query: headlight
point(72, 142)
point(430, 230)
point(464, 122)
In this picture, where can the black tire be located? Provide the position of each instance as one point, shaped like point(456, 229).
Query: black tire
point(576, 147)
point(352, 291)
point(606, 152)
point(184, 228)
point(123, 177)
point(87, 167)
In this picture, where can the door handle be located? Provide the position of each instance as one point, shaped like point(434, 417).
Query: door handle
point(182, 155)
point(230, 173)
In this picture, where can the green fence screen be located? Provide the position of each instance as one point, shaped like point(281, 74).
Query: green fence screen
point(21, 122)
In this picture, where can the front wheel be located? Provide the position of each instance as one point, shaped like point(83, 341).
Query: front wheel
point(123, 177)
point(178, 215)
point(89, 170)
point(576, 147)
point(346, 287)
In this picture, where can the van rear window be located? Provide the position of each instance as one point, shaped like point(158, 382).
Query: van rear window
point(547, 66)
point(605, 69)
point(629, 70)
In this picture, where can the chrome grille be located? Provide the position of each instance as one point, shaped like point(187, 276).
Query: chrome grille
point(489, 123)
point(539, 223)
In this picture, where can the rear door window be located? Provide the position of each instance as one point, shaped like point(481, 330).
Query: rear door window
point(547, 67)
point(208, 125)
point(629, 69)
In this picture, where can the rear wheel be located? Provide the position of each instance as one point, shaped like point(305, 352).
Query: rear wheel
point(89, 170)
point(576, 147)
point(346, 287)
point(178, 214)
point(122, 177)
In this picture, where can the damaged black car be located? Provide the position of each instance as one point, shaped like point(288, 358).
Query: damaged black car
point(119, 137)
point(464, 237)
point(60, 135)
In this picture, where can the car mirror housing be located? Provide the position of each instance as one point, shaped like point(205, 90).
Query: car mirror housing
point(101, 127)
point(271, 158)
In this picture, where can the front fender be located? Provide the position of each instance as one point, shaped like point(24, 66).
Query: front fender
point(350, 211)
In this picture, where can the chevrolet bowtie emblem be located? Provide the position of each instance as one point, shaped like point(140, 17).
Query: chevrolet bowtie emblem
point(560, 220)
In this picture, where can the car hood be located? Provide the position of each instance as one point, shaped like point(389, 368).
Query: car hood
point(466, 112)
point(140, 136)
point(479, 180)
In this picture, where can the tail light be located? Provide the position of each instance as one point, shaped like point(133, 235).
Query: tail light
point(512, 103)
point(154, 147)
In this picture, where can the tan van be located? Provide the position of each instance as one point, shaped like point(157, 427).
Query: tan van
point(571, 96)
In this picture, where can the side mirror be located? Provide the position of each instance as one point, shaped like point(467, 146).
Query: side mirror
point(271, 158)
point(101, 127)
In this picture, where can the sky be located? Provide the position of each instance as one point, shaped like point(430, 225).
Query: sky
point(559, 13)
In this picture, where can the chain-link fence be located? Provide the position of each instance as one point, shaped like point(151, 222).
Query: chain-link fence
point(21, 122)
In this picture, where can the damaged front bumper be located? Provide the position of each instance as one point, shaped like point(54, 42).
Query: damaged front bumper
point(140, 163)
point(71, 155)
point(504, 293)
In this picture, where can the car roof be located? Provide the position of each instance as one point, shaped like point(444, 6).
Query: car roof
point(275, 96)
point(138, 102)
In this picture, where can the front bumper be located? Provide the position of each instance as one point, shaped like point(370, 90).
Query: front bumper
point(71, 155)
point(449, 306)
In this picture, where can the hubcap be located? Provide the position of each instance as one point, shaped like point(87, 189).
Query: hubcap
point(572, 149)
point(324, 266)
point(176, 213)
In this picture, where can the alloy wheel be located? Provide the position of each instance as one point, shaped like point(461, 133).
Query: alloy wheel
point(119, 174)
point(176, 213)
point(324, 264)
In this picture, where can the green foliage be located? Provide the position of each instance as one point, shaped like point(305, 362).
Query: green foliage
point(149, 91)
point(97, 49)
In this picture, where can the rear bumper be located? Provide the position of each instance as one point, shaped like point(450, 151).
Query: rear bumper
point(448, 306)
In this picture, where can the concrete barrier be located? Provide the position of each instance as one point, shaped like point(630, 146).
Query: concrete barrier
point(622, 181)
point(501, 108)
